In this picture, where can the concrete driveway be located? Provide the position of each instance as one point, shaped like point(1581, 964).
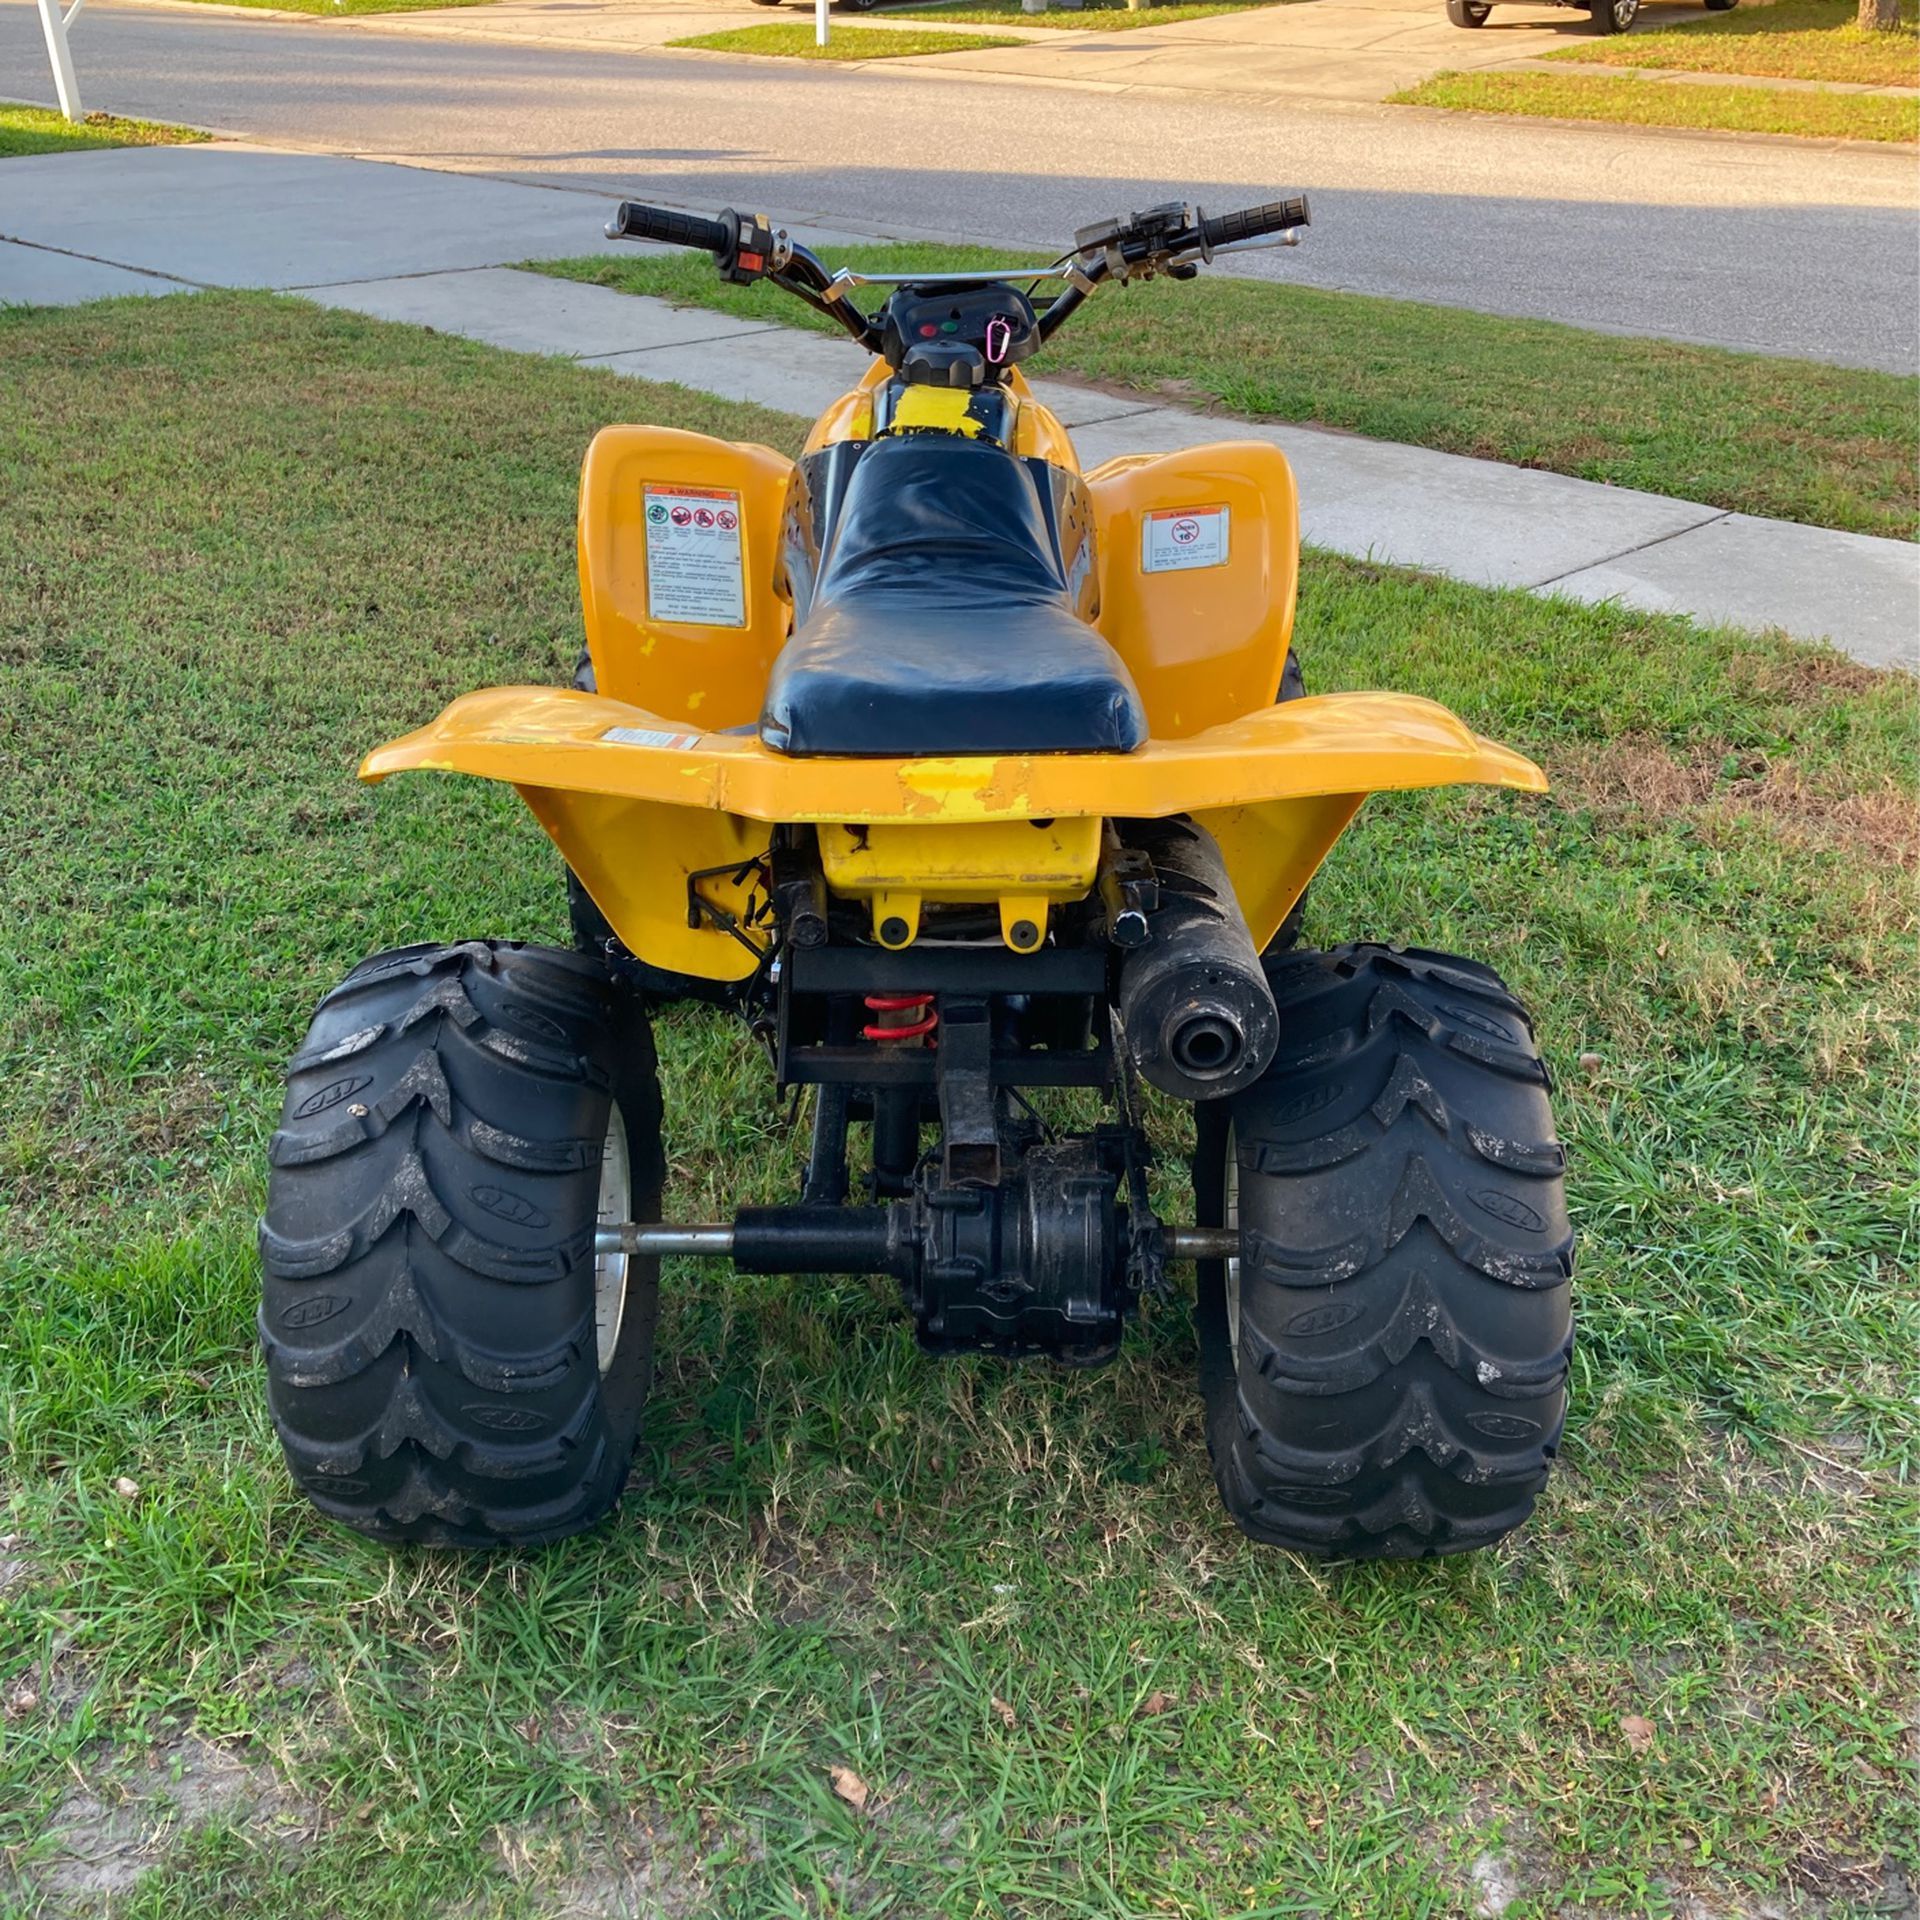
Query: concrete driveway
point(1313, 49)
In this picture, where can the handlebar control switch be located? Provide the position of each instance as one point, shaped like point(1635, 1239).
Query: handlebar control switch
point(753, 254)
point(1173, 236)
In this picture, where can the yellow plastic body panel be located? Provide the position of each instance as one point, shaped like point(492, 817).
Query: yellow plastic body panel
point(851, 416)
point(637, 858)
point(1037, 434)
point(712, 676)
point(1276, 787)
point(1020, 866)
point(642, 788)
point(1205, 644)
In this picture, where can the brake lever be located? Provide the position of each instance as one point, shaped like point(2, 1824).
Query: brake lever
point(1290, 238)
point(1183, 262)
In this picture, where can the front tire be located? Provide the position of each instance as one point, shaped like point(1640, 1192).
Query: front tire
point(447, 1359)
point(1613, 16)
point(1384, 1369)
point(1468, 13)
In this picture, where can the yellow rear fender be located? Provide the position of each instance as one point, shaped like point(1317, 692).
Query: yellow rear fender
point(649, 811)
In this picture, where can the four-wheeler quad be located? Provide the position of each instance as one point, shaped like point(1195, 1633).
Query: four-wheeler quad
point(968, 778)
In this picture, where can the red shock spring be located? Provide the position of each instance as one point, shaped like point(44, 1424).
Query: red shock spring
point(903, 1016)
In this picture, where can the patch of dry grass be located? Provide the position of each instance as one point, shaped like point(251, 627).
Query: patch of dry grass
point(1714, 784)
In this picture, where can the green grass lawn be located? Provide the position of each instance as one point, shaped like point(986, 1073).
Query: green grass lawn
point(1103, 18)
point(25, 130)
point(1786, 438)
point(1661, 103)
point(1791, 39)
point(793, 40)
point(249, 538)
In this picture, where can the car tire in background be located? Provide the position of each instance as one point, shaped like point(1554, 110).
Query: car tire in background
point(1613, 16)
point(1468, 13)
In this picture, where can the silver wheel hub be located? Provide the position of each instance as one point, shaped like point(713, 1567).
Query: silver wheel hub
point(610, 1269)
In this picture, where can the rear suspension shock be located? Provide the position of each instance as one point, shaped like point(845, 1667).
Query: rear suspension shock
point(900, 1016)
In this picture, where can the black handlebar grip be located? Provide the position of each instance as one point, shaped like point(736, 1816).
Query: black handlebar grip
point(1251, 222)
point(635, 222)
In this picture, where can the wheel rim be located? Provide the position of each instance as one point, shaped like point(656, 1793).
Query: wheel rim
point(1623, 12)
point(610, 1269)
point(1230, 1217)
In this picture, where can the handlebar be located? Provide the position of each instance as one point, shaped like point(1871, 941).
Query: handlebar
point(1252, 223)
point(636, 222)
point(1174, 238)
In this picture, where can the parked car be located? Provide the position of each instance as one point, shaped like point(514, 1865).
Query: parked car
point(1608, 16)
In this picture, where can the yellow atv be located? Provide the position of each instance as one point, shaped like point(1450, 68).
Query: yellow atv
point(966, 777)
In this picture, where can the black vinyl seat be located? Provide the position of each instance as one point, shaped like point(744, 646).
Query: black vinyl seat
point(941, 620)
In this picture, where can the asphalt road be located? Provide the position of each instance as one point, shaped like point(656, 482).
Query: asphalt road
point(1786, 248)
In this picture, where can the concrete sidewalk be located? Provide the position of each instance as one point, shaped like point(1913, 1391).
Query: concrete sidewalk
point(426, 248)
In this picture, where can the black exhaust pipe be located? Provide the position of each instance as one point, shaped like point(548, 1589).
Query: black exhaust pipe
point(1198, 1013)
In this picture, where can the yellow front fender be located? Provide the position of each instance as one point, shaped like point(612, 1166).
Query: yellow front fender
point(639, 805)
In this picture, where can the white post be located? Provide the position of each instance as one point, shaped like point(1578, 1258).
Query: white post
point(819, 22)
point(53, 24)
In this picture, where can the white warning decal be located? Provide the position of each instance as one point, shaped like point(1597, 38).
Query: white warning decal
point(694, 567)
point(649, 737)
point(1176, 539)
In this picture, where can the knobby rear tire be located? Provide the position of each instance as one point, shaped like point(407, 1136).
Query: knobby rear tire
point(1404, 1317)
point(428, 1317)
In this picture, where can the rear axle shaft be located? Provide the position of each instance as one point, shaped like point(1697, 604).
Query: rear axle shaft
point(718, 1240)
